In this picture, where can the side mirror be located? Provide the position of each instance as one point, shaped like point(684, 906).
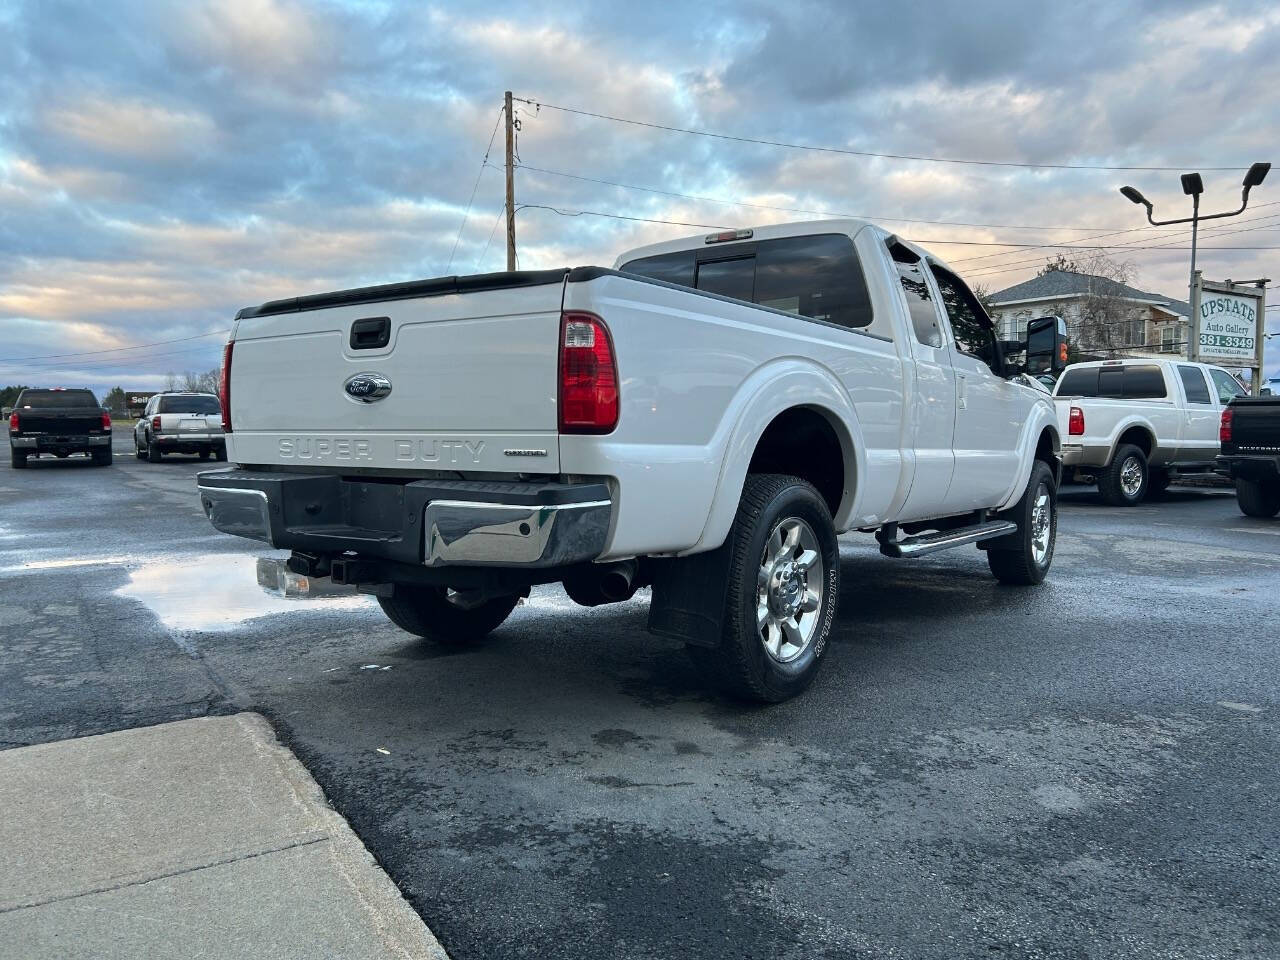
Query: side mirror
point(1046, 346)
point(5, 411)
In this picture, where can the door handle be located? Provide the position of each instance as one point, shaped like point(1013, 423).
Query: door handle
point(960, 394)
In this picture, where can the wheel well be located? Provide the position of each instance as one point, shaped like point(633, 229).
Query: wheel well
point(1140, 437)
point(802, 443)
point(1046, 449)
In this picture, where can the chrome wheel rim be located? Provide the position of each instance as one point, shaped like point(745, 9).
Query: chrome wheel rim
point(1041, 525)
point(1131, 476)
point(789, 590)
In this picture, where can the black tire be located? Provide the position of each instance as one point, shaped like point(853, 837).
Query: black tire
point(1015, 562)
point(1258, 499)
point(1114, 479)
point(18, 458)
point(741, 665)
point(102, 458)
point(139, 450)
point(221, 454)
point(429, 613)
point(204, 454)
point(153, 453)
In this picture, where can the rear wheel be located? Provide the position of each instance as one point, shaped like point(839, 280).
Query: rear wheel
point(139, 450)
point(782, 592)
point(204, 454)
point(441, 614)
point(220, 454)
point(1257, 498)
point(1026, 560)
point(153, 453)
point(1124, 482)
point(102, 458)
point(18, 458)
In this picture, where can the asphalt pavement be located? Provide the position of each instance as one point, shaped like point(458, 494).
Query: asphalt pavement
point(1085, 769)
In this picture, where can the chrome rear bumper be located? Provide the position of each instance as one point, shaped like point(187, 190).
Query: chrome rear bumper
point(434, 523)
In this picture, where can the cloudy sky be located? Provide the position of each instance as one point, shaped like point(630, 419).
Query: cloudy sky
point(163, 164)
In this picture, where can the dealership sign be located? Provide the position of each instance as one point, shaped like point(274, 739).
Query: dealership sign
point(1228, 326)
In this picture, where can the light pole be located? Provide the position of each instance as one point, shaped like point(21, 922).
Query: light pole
point(1193, 186)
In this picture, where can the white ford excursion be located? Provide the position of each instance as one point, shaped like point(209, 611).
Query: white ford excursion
point(1133, 425)
point(705, 418)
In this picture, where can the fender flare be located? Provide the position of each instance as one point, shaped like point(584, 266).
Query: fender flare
point(772, 389)
point(1124, 426)
point(1036, 424)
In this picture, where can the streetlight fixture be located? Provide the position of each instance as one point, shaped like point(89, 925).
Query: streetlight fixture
point(1193, 186)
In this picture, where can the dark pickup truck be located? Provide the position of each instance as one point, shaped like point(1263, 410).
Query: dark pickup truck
point(60, 422)
point(1250, 435)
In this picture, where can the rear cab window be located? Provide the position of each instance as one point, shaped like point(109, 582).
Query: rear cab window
point(1118, 382)
point(56, 399)
point(818, 276)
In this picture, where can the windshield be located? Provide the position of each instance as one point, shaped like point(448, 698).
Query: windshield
point(196, 404)
point(56, 399)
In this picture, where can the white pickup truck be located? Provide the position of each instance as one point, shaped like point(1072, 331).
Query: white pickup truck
point(1133, 425)
point(705, 418)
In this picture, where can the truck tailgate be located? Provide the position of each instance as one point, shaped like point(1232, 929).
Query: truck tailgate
point(473, 377)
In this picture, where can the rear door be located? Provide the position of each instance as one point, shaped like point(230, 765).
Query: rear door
point(471, 377)
point(931, 400)
point(1200, 416)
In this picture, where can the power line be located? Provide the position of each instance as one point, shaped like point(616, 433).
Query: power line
point(484, 162)
point(617, 216)
point(136, 346)
point(822, 213)
point(861, 153)
point(102, 364)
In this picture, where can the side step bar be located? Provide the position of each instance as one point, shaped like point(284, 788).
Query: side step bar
point(918, 546)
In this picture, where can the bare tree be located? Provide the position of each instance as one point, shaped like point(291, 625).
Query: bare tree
point(204, 382)
point(1105, 321)
point(171, 381)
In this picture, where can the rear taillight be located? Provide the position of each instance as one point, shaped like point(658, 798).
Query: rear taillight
point(106, 421)
point(13, 422)
point(155, 423)
point(1224, 426)
point(588, 375)
point(224, 386)
point(1075, 422)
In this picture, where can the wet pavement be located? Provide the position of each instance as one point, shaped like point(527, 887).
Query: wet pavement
point(1085, 769)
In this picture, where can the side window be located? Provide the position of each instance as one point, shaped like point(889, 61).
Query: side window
point(924, 315)
point(729, 278)
point(1193, 383)
point(970, 324)
point(1226, 385)
point(1144, 383)
point(668, 267)
point(817, 276)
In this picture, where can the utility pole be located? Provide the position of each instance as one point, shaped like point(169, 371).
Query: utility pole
point(511, 184)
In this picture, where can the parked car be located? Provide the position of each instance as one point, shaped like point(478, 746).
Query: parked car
point(1133, 425)
point(1250, 434)
point(180, 423)
point(704, 418)
point(61, 422)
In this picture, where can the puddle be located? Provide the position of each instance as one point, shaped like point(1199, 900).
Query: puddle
point(217, 592)
point(63, 564)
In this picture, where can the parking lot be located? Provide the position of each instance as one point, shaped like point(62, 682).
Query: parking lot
point(1089, 768)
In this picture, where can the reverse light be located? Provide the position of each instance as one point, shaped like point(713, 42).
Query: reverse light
point(1075, 422)
point(224, 386)
point(1224, 426)
point(588, 375)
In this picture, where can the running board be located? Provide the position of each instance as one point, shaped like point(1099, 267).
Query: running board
point(918, 546)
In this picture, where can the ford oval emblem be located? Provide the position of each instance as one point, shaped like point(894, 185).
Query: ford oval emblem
point(367, 387)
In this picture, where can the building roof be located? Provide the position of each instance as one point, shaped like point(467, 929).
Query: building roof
point(1064, 283)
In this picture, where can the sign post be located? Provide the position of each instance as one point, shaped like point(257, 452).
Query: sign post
point(1227, 324)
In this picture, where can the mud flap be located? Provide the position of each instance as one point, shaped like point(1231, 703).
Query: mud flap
point(688, 597)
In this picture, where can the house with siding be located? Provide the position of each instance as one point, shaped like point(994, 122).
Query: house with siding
point(1105, 318)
